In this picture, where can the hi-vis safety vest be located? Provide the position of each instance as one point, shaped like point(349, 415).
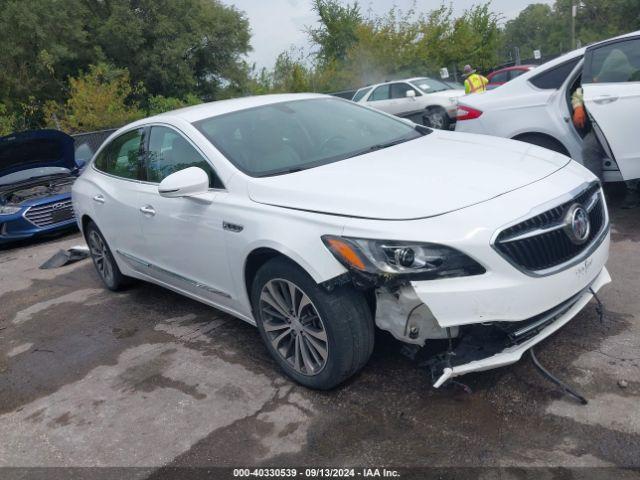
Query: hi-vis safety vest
point(475, 83)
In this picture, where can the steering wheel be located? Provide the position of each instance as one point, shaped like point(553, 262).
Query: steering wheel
point(328, 141)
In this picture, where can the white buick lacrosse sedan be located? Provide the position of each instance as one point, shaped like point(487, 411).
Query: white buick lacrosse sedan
point(317, 220)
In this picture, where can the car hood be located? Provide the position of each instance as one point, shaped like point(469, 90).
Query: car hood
point(435, 174)
point(36, 149)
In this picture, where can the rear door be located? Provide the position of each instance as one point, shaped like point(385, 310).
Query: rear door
point(380, 98)
point(611, 83)
point(115, 194)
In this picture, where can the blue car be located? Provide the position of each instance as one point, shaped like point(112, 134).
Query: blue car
point(37, 170)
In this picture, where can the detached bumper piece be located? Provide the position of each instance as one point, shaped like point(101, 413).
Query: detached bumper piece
point(492, 345)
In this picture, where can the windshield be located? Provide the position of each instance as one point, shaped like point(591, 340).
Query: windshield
point(291, 136)
point(430, 85)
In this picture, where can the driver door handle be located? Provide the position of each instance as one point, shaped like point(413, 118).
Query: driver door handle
point(604, 99)
point(148, 210)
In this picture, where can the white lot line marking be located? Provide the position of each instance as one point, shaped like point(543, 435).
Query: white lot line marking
point(153, 405)
point(25, 347)
point(79, 296)
point(611, 411)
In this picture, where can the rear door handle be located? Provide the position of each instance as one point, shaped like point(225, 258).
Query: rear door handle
point(148, 210)
point(98, 198)
point(604, 99)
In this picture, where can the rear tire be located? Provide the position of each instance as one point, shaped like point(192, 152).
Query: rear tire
point(437, 118)
point(319, 339)
point(103, 260)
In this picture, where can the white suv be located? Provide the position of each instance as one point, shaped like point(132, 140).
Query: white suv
point(316, 219)
point(536, 107)
point(423, 100)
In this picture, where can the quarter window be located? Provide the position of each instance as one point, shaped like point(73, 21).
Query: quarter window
point(380, 93)
point(122, 157)
point(553, 78)
point(617, 62)
point(170, 152)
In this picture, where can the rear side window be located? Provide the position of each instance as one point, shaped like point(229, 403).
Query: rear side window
point(360, 94)
point(123, 156)
point(170, 152)
point(380, 93)
point(617, 62)
point(516, 73)
point(553, 78)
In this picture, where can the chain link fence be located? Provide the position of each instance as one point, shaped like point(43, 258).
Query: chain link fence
point(88, 143)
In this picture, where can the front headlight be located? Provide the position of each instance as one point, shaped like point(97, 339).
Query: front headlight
point(9, 209)
point(412, 260)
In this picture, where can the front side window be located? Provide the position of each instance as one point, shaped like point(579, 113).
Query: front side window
point(296, 135)
point(399, 90)
point(614, 63)
point(170, 152)
point(516, 73)
point(122, 157)
point(380, 93)
point(360, 94)
point(553, 78)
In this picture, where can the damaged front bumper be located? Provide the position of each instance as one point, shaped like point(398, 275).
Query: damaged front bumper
point(466, 359)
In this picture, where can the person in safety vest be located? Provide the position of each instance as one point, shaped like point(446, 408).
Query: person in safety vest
point(474, 83)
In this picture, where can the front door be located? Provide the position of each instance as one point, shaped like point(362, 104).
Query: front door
point(611, 83)
point(184, 236)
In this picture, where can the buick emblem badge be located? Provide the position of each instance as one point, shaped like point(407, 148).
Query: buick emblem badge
point(576, 224)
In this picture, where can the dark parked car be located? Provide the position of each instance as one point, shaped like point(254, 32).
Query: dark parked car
point(37, 170)
point(502, 76)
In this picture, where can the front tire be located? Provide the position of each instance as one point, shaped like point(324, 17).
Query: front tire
point(318, 338)
point(103, 260)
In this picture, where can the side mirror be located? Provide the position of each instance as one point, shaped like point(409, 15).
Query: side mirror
point(189, 182)
point(411, 93)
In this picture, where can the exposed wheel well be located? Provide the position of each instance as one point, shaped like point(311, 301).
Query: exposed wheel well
point(85, 221)
point(255, 260)
point(543, 140)
point(260, 256)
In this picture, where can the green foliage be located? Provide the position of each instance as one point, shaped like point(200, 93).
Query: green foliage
point(98, 99)
point(6, 121)
point(159, 104)
point(337, 31)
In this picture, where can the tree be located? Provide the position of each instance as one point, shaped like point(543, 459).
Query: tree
point(337, 30)
point(99, 99)
point(43, 42)
point(174, 47)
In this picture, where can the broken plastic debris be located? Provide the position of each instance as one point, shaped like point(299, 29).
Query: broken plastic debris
point(66, 257)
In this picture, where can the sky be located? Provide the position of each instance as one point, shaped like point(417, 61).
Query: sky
point(277, 25)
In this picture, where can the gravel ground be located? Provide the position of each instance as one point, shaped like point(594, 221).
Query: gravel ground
point(149, 379)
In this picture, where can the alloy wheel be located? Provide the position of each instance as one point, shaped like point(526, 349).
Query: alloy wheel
point(100, 255)
point(436, 120)
point(293, 326)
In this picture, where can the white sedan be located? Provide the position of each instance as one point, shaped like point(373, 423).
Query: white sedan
point(317, 220)
point(423, 100)
point(536, 106)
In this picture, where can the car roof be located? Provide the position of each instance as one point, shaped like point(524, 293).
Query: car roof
point(220, 107)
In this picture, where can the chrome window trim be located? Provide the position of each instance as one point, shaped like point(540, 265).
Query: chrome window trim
point(177, 276)
point(144, 182)
point(595, 243)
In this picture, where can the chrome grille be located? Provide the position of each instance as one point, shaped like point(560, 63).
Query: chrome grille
point(540, 243)
point(50, 213)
